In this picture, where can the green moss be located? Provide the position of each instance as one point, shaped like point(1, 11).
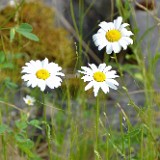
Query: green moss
point(54, 44)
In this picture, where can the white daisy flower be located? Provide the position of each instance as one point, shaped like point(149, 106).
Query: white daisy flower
point(42, 74)
point(12, 3)
point(113, 36)
point(99, 77)
point(29, 100)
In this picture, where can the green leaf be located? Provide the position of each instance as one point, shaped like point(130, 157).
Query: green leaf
point(9, 83)
point(12, 34)
point(20, 138)
point(18, 55)
point(7, 65)
point(138, 76)
point(21, 125)
point(24, 27)
point(25, 142)
point(28, 35)
point(35, 123)
point(3, 128)
point(28, 144)
point(2, 56)
point(155, 59)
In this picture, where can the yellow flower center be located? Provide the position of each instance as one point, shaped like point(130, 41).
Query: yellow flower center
point(42, 74)
point(99, 76)
point(113, 35)
point(29, 102)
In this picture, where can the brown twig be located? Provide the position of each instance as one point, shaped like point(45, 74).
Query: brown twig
point(69, 27)
point(147, 10)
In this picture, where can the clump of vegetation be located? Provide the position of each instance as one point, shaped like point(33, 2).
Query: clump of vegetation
point(55, 43)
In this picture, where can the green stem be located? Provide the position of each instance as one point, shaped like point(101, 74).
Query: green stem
point(122, 134)
point(47, 127)
point(141, 151)
point(97, 124)
point(107, 153)
point(3, 139)
point(44, 107)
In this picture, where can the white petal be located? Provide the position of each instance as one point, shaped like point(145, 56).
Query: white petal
point(111, 74)
point(53, 67)
point(59, 74)
point(123, 43)
point(86, 69)
point(45, 63)
point(102, 45)
point(125, 32)
point(29, 83)
point(109, 48)
point(41, 84)
point(87, 78)
point(124, 25)
point(107, 69)
point(96, 89)
point(50, 84)
point(27, 77)
point(29, 69)
point(100, 40)
point(118, 22)
point(111, 85)
point(105, 26)
point(128, 40)
point(89, 85)
point(93, 67)
point(102, 66)
point(113, 81)
point(111, 25)
point(34, 83)
point(105, 88)
point(116, 47)
point(101, 32)
point(36, 64)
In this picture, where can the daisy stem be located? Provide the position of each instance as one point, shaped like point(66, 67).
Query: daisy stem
point(46, 127)
point(44, 107)
point(97, 124)
point(3, 139)
point(120, 71)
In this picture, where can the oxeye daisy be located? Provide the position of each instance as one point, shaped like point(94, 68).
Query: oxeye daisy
point(99, 77)
point(113, 36)
point(42, 74)
point(29, 100)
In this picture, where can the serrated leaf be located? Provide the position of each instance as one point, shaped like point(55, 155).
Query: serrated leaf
point(25, 142)
point(24, 27)
point(28, 35)
point(3, 128)
point(21, 125)
point(29, 144)
point(20, 138)
point(35, 123)
point(11, 85)
point(25, 145)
